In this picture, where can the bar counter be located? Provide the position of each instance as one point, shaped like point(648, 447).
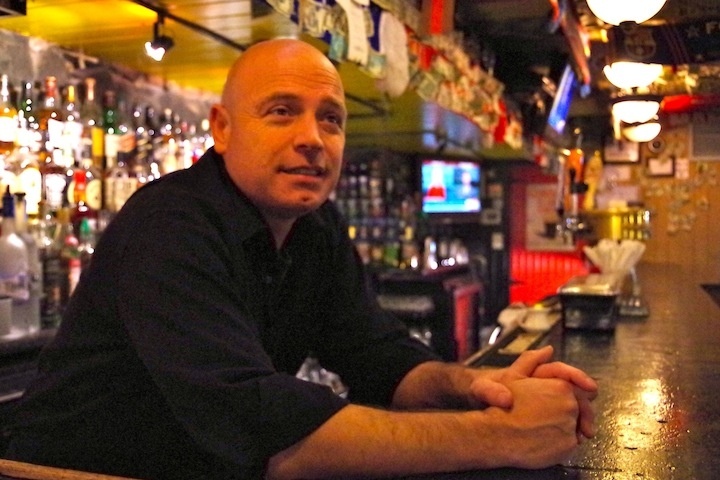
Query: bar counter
point(658, 413)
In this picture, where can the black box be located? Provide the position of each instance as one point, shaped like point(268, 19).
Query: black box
point(590, 301)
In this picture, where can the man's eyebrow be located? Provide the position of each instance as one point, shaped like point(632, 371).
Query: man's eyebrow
point(292, 97)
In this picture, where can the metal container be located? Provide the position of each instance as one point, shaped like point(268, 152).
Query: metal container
point(590, 301)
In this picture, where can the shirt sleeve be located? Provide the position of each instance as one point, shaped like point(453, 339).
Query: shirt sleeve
point(180, 298)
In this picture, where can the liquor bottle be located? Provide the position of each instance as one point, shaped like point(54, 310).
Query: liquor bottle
point(27, 313)
point(28, 136)
point(93, 135)
point(119, 184)
point(27, 106)
point(154, 159)
point(13, 260)
point(82, 210)
point(49, 116)
point(140, 165)
point(391, 249)
point(169, 146)
point(28, 180)
point(86, 244)
point(53, 282)
point(111, 146)
point(126, 147)
point(55, 179)
point(69, 254)
point(71, 142)
point(91, 190)
point(54, 172)
point(8, 120)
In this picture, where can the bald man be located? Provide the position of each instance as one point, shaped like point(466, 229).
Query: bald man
point(177, 354)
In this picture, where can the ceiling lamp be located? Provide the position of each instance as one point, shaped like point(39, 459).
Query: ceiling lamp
point(161, 43)
point(642, 132)
point(636, 109)
point(629, 75)
point(615, 12)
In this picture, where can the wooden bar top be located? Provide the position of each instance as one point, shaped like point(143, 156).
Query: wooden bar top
point(658, 414)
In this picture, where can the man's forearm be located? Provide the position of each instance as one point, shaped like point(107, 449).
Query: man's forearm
point(371, 442)
point(539, 430)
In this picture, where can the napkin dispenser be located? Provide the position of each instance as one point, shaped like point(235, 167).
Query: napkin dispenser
point(591, 301)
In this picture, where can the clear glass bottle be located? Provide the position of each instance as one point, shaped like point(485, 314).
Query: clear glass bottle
point(69, 255)
point(27, 106)
point(53, 283)
point(71, 142)
point(54, 172)
point(49, 115)
point(27, 313)
point(8, 120)
point(14, 281)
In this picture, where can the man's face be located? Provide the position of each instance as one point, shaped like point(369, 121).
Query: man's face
point(284, 134)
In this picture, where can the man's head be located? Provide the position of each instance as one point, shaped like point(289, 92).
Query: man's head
point(281, 127)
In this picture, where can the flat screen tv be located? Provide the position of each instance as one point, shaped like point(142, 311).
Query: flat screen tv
point(450, 187)
point(558, 116)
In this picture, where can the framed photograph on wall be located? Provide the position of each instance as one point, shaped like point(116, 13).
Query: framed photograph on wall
point(660, 166)
point(621, 151)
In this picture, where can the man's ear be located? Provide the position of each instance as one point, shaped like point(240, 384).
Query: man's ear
point(220, 127)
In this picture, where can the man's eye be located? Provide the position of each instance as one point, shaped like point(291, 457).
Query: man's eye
point(282, 111)
point(334, 118)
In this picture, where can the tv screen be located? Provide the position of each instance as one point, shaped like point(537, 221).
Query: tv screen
point(450, 186)
point(558, 116)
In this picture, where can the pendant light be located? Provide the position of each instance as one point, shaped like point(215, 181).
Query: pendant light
point(642, 132)
point(636, 108)
point(629, 75)
point(615, 12)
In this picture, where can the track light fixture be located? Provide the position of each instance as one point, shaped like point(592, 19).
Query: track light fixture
point(161, 43)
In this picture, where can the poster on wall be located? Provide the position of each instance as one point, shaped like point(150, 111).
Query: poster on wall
point(541, 233)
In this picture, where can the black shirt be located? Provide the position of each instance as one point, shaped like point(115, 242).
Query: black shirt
point(177, 353)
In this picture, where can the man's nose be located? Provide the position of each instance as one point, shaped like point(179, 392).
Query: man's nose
point(308, 136)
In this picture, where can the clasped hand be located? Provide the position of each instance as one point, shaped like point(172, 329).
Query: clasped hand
point(492, 387)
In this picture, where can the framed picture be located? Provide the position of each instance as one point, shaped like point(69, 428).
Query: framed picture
point(621, 151)
point(660, 167)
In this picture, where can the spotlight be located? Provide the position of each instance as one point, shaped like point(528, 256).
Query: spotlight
point(161, 43)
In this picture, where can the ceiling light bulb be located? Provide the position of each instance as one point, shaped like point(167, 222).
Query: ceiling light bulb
point(628, 75)
point(643, 132)
point(156, 54)
point(615, 12)
point(635, 111)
